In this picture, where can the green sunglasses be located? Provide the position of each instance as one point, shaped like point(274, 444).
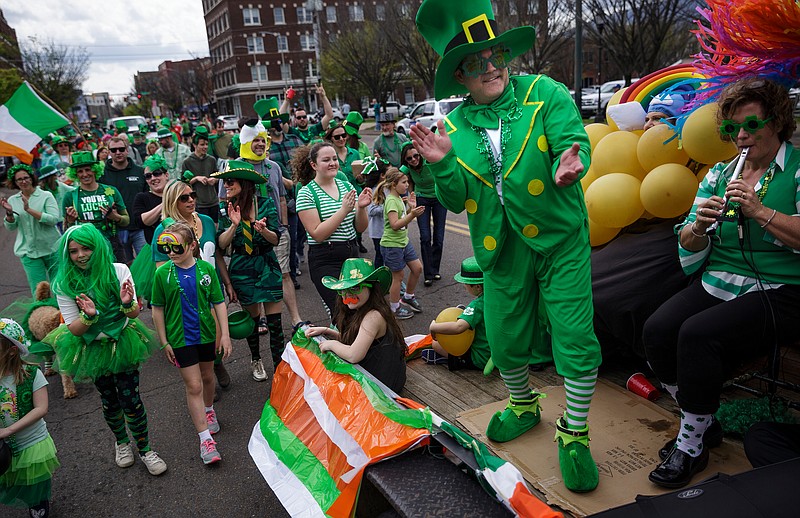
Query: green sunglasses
point(474, 65)
point(355, 290)
point(751, 124)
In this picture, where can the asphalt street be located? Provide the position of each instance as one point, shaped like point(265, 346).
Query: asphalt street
point(89, 484)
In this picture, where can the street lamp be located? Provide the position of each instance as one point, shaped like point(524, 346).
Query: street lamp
point(600, 26)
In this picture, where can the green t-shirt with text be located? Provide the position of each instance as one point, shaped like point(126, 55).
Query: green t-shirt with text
point(88, 203)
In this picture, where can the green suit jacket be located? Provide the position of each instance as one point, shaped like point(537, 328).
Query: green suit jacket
point(542, 214)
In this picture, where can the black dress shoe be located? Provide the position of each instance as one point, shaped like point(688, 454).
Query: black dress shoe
point(437, 277)
point(711, 439)
point(428, 282)
point(678, 469)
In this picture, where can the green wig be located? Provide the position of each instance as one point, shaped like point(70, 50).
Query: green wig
point(98, 169)
point(99, 280)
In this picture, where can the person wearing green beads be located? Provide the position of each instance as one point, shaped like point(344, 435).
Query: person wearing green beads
point(101, 339)
point(33, 214)
point(95, 203)
point(389, 142)
point(511, 155)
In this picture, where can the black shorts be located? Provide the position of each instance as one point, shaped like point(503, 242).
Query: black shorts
point(189, 355)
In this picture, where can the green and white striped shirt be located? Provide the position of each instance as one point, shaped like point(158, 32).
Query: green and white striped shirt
point(314, 197)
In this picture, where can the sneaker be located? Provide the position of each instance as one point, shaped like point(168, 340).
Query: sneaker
point(213, 424)
point(124, 455)
point(403, 314)
point(208, 452)
point(413, 303)
point(259, 374)
point(223, 378)
point(154, 464)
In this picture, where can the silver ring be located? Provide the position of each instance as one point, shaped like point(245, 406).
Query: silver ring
point(744, 195)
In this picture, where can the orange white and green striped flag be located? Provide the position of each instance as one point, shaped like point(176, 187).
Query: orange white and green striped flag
point(25, 119)
point(327, 420)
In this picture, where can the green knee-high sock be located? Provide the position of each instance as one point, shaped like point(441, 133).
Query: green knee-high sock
point(253, 341)
point(277, 342)
point(516, 381)
point(579, 392)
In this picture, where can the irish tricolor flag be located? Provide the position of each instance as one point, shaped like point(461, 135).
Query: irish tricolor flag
point(25, 120)
point(326, 421)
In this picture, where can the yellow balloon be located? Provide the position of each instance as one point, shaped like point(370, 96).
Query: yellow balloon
point(613, 200)
point(653, 152)
point(668, 190)
point(702, 173)
point(616, 153)
point(454, 344)
point(611, 102)
point(588, 178)
point(596, 132)
point(701, 138)
point(599, 235)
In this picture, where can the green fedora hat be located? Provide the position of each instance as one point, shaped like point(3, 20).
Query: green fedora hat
point(240, 324)
point(454, 32)
point(352, 123)
point(240, 170)
point(355, 271)
point(268, 110)
point(470, 272)
point(47, 171)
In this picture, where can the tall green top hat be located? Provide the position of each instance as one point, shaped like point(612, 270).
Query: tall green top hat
point(268, 110)
point(455, 30)
point(352, 123)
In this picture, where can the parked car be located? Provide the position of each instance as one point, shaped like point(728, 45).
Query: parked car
point(428, 112)
point(607, 91)
point(231, 122)
point(132, 122)
point(392, 107)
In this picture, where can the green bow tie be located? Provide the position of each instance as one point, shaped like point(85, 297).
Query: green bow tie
point(488, 115)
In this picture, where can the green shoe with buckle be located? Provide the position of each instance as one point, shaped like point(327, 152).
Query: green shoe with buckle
point(578, 469)
point(518, 417)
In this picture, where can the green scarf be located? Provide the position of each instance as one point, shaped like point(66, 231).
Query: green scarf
point(488, 115)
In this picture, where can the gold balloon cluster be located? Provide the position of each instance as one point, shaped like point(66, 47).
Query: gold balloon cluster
point(636, 174)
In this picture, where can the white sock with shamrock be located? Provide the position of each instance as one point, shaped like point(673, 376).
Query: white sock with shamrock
point(690, 435)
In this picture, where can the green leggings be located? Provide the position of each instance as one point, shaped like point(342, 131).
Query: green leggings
point(39, 269)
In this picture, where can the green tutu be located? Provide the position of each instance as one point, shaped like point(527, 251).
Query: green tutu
point(27, 482)
point(143, 270)
point(87, 362)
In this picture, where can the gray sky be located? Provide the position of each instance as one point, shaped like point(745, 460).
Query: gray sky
point(121, 36)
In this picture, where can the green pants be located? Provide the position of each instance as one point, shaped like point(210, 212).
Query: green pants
point(39, 269)
point(519, 282)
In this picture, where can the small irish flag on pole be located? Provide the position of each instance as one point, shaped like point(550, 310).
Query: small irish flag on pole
point(25, 120)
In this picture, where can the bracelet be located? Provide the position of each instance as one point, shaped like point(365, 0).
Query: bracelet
point(129, 308)
point(164, 346)
point(87, 320)
point(695, 234)
point(769, 220)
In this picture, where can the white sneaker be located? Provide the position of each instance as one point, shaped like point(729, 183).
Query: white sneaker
point(124, 455)
point(259, 374)
point(154, 464)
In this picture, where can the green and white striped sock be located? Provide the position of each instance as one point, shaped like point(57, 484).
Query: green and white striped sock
point(579, 392)
point(516, 381)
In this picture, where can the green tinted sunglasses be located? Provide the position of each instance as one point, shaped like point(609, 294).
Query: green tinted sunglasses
point(751, 124)
point(355, 290)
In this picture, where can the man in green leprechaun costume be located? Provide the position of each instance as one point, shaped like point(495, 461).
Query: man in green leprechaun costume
point(512, 155)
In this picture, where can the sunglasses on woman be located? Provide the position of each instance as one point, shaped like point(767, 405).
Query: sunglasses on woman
point(154, 174)
point(183, 198)
point(751, 124)
point(339, 136)
point(355, 290)
point(411, 158)
point(229, 181)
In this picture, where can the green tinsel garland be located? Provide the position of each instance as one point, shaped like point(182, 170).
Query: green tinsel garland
point(737, 416)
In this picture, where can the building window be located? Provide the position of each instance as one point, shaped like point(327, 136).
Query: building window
point(251, 17)
point(304, 15)
point(330, 13)
point(255, 45)
point(380, 12)
point(409, 95)
point(311, 69)
point(286, 71)
point(307, 42)
point(283, 44)
point(278, 13)
point(259, 72)
point(356, 13)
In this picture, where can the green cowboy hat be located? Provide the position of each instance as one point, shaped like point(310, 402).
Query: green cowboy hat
point(240, 324)
point(240, 170)
point(470, 273)
point(58, 139)
point(456, 32)
point(163, 133)
point(352, 123)
point(355, 271)
point(268, 110)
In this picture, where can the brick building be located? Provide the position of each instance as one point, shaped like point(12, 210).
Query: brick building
point(10, 56)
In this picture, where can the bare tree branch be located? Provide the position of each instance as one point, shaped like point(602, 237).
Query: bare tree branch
point(57, 71)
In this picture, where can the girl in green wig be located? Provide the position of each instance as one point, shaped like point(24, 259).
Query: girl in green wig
point(101, 339)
